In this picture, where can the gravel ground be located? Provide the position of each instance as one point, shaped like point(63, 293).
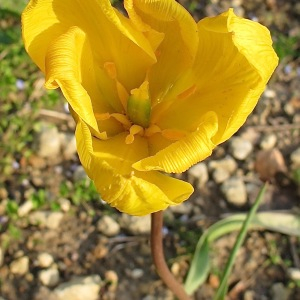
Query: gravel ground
point(66, 247)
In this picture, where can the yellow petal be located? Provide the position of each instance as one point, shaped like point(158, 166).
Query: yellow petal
point(109, 164)
point(229, 73)
point(111, 35)
point(177, 50)
point(64, 69)
point(181, 155)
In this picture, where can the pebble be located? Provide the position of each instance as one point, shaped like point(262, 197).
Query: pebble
point(295, 158)
point(235, 192)
point(45, 260)
point(198, 174)
point(49, 277)
point(184, 208)
point(79, 174)
point(68, 143)
point(279, 292)
point(136, 225)
point(220, 175)
point(25, 208)
point(240, 148)
point(65, 204)
point(249, 295)
point(228, 163)
point(54, 219)
point(294, 274)
point(137, 273)
point(79, 288)
point(108, 226)
point(268, 141)
point(49, 142)
point(47, 219)
point(20, 266)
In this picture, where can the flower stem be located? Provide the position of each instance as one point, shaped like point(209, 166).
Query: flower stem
point(159, 259)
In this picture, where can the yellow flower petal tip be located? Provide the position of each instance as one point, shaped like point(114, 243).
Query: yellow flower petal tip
point(151, 92)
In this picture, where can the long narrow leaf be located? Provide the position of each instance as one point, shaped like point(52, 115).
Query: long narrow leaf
point(221, 292)
point(282, 222)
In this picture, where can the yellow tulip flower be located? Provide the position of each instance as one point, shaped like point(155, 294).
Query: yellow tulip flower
point(151, 92)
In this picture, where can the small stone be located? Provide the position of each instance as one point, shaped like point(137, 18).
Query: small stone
point(294, 274)
point(183, 208)
point(108, 226)
point(235, 192)
point(47, 219)
point(49, 142)
point(38, 218)
point(268, 141)
point(79, 174)
point(249, 295)
point(79, 288)
point(37, 162)
point(136, 225)
point(68, 142)
point(269, 93)
point(198, 174)
point(295, 158)
point(175, 269)
point(228, 163)
point(3, 193)
point(220, 175)
point(279, 292)
point(137, 273)
point(65, 204)
point(25, 208)
point(240, 148)
point(289, 109)
point(54, 219)
point(49, 277)
point(45, 260)
point(20, 266)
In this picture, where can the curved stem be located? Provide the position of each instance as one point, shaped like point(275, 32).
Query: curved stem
point(159, 259)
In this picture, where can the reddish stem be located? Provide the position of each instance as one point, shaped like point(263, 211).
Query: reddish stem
point(159, 259)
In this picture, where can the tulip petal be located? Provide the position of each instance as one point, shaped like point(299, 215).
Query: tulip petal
point(177, 50)
point(181, 155)
point(109, 165)
point(112, 36)
point(235, 60)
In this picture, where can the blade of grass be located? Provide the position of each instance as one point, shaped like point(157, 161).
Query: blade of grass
point(222, 290)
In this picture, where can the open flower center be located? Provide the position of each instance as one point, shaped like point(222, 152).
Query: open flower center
point(136, 116)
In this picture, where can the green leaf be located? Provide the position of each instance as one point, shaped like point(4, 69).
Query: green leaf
point(222, 290)
point(282, 222)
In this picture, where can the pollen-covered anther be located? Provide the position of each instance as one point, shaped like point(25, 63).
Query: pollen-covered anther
point(134, 130)
point(152, 129)
point(122, 119)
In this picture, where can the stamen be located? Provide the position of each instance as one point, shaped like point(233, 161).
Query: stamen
point(111, 71)
point(102, 117)
point(122, 119)
point(152, 129)
point(173, 134)
point(188, 92)
point(134, 130)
